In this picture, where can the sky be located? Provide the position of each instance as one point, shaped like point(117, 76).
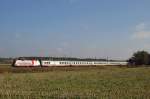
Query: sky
point(74, 28)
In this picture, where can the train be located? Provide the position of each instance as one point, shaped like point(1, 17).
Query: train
point(51, 63)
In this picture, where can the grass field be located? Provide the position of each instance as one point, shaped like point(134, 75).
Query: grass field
point(78, 82)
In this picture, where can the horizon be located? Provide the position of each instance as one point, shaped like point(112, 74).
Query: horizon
point(74, 28)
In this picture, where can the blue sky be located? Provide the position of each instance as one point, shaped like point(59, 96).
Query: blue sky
point(79, 28)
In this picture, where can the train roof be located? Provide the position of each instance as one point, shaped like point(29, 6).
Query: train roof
point(67, 59)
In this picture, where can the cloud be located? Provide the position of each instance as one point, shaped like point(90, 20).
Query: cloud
point(141, 35)
point(17, 35)
point(140, 27)
point(141, 32)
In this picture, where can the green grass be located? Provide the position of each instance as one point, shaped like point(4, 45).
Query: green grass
point(78, 82)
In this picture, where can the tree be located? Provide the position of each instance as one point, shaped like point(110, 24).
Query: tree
point(140, 58)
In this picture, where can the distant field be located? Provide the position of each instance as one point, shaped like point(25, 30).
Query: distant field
point(79, 82)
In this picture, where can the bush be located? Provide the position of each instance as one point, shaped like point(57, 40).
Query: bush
point(140, 58)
